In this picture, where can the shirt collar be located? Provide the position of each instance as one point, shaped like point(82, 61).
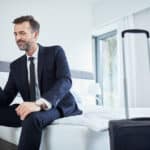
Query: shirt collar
point(35, 54)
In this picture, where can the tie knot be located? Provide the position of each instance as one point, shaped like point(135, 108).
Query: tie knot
point(31, 59)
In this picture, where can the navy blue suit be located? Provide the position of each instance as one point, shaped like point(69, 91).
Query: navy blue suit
point(54, 82)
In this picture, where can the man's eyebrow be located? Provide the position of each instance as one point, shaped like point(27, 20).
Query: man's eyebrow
point(19, 32)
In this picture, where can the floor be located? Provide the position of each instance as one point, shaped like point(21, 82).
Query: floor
point(4, 145)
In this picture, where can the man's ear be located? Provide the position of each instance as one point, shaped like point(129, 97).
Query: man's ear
point(36, 34)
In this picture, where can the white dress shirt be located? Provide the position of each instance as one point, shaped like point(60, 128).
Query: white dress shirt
point(39, 101)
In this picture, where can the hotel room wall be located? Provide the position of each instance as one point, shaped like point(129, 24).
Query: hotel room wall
point(142, 67)
point(67, 23)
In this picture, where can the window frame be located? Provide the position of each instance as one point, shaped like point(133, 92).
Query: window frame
point(98, 56)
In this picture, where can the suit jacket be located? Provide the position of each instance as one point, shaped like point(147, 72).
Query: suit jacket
point(53, 76)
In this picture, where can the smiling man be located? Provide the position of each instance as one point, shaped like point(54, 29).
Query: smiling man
point(42, 77)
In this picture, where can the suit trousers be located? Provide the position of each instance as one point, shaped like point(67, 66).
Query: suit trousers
point(32, 126)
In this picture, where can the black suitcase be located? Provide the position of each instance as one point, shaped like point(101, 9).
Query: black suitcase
point(130, 134)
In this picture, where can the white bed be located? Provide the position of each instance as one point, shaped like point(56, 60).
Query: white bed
point(65, 136)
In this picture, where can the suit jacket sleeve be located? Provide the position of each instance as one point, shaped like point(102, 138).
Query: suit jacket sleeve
point(63, 79)
point(10, 91)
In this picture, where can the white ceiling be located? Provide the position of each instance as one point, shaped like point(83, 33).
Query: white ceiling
point(107, 10)
point(139, 4)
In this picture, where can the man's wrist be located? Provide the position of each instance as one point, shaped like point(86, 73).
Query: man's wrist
point(43, 103)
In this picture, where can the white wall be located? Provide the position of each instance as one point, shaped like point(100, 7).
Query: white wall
point(137, 61)
point(142, 68)
point(66, 22)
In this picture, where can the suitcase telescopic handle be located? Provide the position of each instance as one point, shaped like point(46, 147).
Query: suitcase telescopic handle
point(124, 62)
point(135, 31)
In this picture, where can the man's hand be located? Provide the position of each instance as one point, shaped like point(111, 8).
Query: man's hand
point(25, 108)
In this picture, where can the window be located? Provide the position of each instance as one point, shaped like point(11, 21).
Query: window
point(82, 87)
point(107, 68)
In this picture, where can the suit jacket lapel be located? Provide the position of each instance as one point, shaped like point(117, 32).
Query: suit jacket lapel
point(24, 76)
point(40, 64)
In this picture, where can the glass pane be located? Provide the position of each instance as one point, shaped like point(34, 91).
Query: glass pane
point(81, 89)
point(109, 72)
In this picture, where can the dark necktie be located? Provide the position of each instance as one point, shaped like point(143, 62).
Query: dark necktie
point(32, 79)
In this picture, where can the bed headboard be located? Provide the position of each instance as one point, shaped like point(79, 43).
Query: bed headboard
point(4, 67)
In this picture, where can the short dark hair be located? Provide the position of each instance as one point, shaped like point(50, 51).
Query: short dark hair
point(33, 23)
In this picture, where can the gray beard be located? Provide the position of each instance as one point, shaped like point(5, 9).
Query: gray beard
point(26, 49)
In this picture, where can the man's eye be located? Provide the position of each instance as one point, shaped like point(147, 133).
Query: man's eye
point(22, 33)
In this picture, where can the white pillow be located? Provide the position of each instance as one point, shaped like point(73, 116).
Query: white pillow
point(77, 98)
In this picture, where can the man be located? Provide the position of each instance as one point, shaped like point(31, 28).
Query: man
point(43, 79)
